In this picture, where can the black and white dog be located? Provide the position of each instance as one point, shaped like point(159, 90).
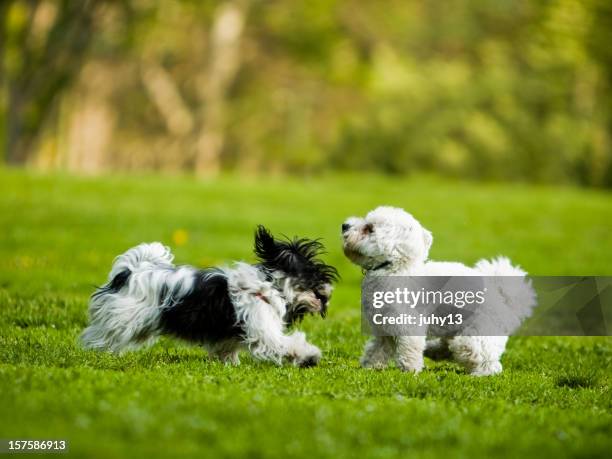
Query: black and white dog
point(222, 309)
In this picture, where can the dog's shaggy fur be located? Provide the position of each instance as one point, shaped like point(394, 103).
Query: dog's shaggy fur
point(222, 309)
point(391, 242)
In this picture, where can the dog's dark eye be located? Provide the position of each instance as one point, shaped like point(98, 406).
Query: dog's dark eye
point(369, 228)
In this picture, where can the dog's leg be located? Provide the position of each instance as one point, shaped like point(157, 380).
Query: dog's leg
point(226, 352)
point(480, 355)
point(264, 330)
point(409, 353)
point(301, 352)
point(377, 352)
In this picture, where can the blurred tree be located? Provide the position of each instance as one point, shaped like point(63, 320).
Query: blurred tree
point(43, 46)
point(225, 56)
point(505, 90)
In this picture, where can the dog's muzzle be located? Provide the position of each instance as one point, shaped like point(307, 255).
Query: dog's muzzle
point(311, 304)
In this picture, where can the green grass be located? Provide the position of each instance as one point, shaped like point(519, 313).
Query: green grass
point(59, 235)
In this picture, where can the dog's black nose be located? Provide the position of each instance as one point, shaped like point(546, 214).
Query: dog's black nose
point(345, 227)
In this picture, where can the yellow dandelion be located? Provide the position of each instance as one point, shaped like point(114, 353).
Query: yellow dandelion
point(180, 237)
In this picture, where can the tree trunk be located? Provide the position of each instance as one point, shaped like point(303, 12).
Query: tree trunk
point(4, 7)
point(223, 65)
point(164, 93)
point(17, 139)
point(48, 64)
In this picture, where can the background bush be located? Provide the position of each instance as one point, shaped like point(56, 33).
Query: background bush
point(508, 90)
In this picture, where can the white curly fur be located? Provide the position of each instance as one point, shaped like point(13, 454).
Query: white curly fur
point(391, 242)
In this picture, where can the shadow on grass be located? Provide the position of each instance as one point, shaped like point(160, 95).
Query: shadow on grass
point(575, 381)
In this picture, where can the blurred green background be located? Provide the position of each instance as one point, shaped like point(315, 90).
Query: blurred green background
point(494, 90)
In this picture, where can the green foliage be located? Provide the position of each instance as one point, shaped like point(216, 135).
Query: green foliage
point(504, 90)
point(61, 233)
point(42, 45)
point(510, 91)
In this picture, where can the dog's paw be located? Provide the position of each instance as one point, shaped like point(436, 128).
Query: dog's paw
point(228, 357)
point(231, 359)
point(410, 368)
point(373, 364)
point(308, 359)
point(487, 369)
point(410, 365)
point(301, 353)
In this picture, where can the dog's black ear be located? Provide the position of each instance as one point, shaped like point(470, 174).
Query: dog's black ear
point(266, 248)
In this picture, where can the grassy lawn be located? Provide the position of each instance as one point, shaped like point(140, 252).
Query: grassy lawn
point(59, 235)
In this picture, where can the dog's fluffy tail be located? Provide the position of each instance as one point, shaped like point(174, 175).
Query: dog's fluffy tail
point(125, 311)
point(145, 256)
point(517, 293)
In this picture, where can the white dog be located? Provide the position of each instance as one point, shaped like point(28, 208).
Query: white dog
point(391, 242)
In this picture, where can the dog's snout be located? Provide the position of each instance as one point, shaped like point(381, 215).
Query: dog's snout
point(345, 227)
